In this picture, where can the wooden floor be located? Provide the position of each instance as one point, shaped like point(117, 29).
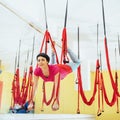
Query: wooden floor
point(46, 117)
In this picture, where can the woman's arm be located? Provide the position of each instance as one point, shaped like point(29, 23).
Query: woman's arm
point(35, 84)
point(57, 77)
point(55, 104)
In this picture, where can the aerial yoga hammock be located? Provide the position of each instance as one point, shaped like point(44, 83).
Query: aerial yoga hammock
point(54, 72)
point(113, 82)
point(20, 96)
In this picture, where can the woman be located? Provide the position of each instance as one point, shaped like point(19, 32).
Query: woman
point(52, 73)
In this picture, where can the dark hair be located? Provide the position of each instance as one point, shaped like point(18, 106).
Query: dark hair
point(43, 55)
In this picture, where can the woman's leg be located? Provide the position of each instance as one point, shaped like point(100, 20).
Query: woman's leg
point(75, 61)
point(53, 58)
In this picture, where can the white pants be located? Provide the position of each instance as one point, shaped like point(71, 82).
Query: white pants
point(75, 61)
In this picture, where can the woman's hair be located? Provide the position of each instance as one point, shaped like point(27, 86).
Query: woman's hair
point(43, 55)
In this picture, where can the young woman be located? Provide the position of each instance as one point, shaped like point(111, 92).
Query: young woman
point(53, 72)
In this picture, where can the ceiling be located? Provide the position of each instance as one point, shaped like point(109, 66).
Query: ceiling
point(16, 16)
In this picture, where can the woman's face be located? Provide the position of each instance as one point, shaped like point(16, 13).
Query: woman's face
point(41, 61)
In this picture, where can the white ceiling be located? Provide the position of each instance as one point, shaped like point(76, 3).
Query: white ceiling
point(83, 13)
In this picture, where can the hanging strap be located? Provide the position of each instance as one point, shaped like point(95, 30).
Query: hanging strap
point(101, 80)
point(99, 87)
point(116, 80)
point(64, 57)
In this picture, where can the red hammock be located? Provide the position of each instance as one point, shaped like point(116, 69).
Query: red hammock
point(47, 39)
point(88, 102)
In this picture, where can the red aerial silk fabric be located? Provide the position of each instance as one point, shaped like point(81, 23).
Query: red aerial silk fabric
point(88, 102)
point(114, 85)
point(114, 96)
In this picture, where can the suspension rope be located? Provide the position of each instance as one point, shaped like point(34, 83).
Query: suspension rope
point(64, 57)
point(116, 80)
point(101, 79)
point(78, 100)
